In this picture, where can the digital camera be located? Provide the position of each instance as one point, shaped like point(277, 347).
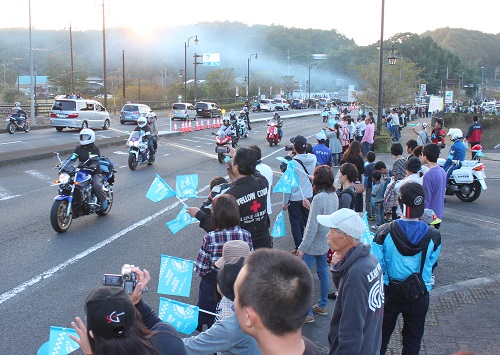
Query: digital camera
point(221, 149)
point(289, 147)
point(127, 280)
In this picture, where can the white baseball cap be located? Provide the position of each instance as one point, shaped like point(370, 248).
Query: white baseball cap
point(321, 136)
point(346, 220)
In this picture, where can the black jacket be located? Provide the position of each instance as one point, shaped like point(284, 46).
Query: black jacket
point(83, 152)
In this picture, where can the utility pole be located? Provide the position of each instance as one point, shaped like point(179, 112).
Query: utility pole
point(32, 81)
point(123, 74)
point(104, 56)
point(72, 65)
point(196, 56)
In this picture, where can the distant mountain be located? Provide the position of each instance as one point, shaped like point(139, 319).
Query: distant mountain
point(472, 47)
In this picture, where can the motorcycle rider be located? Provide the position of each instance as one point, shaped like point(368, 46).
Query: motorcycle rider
point(154, 130)
point(232, 117)
point(247, 114)
point(18, 113)
point(279, 123)
point(83, 152)
point(143, 127)
point(325, 114)
point(226, 129)
point(457, 151)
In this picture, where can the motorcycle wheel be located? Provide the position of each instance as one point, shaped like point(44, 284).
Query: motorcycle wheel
point(220, 157)
point(469, 192)
point(110, 202)
point(11, 128)
point(60, 222)
point(132, 162)
point(27, 127)
point(270, 140)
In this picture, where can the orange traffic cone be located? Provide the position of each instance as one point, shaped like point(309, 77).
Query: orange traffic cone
point(214, 124)
point(202, 126)
point(208, 123)
point(175, 126)
point(197, 126)
point(190, 126)
point(183, 127)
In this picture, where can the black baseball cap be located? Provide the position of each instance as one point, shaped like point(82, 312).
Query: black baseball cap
point(299, 141)
point(110, 312)
point(411, 199)
point(413, 164)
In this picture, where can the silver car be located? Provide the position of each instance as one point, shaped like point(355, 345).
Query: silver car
point(183, 111)
point(78, 113)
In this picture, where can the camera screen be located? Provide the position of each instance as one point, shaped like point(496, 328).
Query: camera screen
point(112, 280)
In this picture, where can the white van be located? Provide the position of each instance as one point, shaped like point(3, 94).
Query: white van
point(78, 113)
point(267, 105)
point(281, 104)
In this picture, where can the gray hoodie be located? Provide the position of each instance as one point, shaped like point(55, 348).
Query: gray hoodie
point(356, 324)
point(304, 190)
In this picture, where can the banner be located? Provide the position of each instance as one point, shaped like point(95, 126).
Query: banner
point(279, 226)
point(182, 220)
point(176, 275)
point(182, 316)
point(368, 235)
point(448, 97)
point(289, 178)
point(59, 342)
point(186, 185)
point(159, 190)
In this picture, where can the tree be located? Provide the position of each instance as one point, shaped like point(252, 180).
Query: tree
point(58, 69)
point(399, 83)
point(289, 84)
point(220, 83)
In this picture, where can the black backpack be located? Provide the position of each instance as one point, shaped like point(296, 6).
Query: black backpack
point(350, 192)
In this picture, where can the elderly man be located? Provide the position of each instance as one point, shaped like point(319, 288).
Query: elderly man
point(356, 325)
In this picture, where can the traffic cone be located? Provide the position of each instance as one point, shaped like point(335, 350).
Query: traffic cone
point(213, 123)
point(175, 126)
point(208, 123)
point(197, 126)
point(219, 122)
point(183, 127)
point(190, 126)
point(202, 126)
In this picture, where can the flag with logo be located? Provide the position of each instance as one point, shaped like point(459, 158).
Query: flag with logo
point(182, 316)
point(176, 275)
point(186, 185)
point(159, 190)
point(368, 235)
point(289, 178)
point(279, 226)
point(182, 220)
point(59, 342)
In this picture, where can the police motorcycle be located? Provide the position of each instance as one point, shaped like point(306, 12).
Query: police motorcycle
point(138, 152)
point(468, 178)
point(256, 107)
point(222, 139)
point(75, 197)
point(241, 126)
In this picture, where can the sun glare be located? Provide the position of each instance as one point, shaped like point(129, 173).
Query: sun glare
point(141, 30)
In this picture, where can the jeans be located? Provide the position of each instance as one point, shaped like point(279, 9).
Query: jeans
point(366, 147)
point(97, 187)
point(413, 323)
point(206, 300)
point(395, 133)
point(298, 215)
point(336, 158)
point(322, 271)
point(379, 213)
point(368, 202)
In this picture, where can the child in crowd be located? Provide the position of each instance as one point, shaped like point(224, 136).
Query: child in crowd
point(369, 168)
point(377, 193)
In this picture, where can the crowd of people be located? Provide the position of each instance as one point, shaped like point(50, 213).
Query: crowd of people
point(262, 296)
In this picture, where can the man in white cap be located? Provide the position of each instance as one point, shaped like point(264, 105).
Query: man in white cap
point(322, 152)
point(356, 324)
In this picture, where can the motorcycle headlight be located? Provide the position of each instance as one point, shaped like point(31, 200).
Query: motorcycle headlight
point(135, 143)
point(63, 178)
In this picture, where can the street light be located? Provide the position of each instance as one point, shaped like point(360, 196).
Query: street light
point(248, 73)
point(186, 44)
point(392, 60)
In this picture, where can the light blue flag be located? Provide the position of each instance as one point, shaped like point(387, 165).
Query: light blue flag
point(368, 235)
point(479, 154)
point(288, 180)
point(159, 190)
point(182, 316)
point(175, 276)
point(279, 226)
point(413, 124)
point(183, 219)
point(59, 342)
point(186, 185)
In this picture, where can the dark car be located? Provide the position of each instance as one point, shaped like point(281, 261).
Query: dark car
point(207, 109)
point(298, 104)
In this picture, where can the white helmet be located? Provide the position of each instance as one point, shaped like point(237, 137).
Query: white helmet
point(87, 136)
point(225, 121)
point(17, 104)
point(142, 121)
point(424, 125)
point(455, 133)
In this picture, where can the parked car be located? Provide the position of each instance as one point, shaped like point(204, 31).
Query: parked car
point(183, 111)
point(131, 112)
point(267, 105)
point(324, 102)
point(207, 109)
point(298, 104)
point(78, 113)
point(281, 104)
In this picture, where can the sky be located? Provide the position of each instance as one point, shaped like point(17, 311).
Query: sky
point(356, 19)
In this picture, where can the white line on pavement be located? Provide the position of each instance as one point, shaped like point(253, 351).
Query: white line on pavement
point(51, 272)
point(13, 142)
point(41, 176)
point(5, 194)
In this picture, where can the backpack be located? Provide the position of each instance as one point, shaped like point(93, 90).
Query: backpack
point(427, 138)
point(350, 192)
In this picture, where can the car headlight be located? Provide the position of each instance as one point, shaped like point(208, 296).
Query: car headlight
point(63, 178)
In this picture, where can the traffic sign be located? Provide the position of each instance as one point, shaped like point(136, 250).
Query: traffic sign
point(211, 59)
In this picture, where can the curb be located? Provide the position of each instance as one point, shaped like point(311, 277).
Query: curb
point(480, 281)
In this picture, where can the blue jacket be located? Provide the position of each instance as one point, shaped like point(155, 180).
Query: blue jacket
point(398, 246)
point(457, 152)
point(323, 154)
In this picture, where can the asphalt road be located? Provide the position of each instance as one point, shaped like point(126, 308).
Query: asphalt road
point(48, 275)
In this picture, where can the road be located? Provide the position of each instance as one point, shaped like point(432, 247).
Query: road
point(48, 275)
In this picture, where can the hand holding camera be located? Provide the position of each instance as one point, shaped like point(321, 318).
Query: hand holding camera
point(132, 279)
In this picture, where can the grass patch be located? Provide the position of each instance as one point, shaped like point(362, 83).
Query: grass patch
point(490, 124)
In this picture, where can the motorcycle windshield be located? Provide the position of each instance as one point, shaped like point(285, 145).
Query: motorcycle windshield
point(135, 136)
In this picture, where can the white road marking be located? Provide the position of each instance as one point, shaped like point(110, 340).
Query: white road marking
point(5, 194)
point(192, 150)
point(189, 140)
point(51, 272)
point(13, 142)
point(41, 176)
point(121, 152)
point(123, 166)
